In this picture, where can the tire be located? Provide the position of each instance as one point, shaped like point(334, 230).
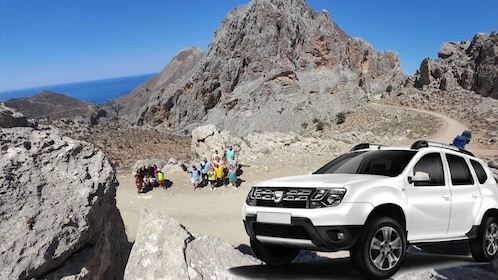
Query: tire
point(380, 249)
point(273, 254)
point(485, 247)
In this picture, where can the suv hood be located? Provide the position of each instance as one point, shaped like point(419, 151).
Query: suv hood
point(319, 180)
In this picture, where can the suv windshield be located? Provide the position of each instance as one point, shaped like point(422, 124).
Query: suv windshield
point(377, 162)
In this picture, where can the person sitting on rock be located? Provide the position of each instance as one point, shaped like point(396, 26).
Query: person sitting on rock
point(146, 182)
point(160, 180)
point(138, 182)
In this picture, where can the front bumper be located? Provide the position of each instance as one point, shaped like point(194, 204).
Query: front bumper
point(301, 233)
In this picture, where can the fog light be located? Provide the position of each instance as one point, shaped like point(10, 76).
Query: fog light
point(340, 235)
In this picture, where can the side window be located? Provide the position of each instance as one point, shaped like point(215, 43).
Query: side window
point(459, 170)
point(432, 165)
point(481, 173)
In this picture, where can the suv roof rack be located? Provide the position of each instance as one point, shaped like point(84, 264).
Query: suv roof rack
point(363, 146)
point(424, 144)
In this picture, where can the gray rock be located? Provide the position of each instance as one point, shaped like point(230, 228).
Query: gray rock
point(164, 249)
point(468, 65)
point(58, 214)
point(9, 117)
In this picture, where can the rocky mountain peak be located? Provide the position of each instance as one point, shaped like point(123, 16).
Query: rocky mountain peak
point(274, 62)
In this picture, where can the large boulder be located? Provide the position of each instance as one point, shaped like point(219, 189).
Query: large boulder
point(12, 118)
point(58, 214)
point(164, 249)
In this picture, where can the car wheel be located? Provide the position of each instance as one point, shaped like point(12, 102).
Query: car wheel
point(273, 254)
point(380, 249)
point(485, 246)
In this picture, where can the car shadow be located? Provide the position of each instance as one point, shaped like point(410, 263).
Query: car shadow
point(341, 268)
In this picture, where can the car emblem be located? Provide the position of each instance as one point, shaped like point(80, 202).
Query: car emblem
point(279, 195)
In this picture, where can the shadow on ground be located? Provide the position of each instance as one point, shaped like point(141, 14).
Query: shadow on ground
point(341, 268)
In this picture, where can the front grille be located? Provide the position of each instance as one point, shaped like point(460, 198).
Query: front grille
point(284, 231)
point(282, 197)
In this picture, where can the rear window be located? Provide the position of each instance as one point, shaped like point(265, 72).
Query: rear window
point(459, 170)
point(376, 162)
point(480, 172)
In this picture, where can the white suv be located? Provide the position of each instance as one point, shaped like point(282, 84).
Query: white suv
point(375, 201)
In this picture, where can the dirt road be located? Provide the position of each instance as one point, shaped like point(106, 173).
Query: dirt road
point(218, 213)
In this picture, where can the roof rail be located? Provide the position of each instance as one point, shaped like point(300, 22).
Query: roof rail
point(363, 146)
point(424, 144)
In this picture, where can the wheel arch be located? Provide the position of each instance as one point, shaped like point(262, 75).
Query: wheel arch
point(388, 210)
point(490, 213)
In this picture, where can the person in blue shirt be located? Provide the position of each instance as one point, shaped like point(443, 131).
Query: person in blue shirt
point(229, 153)
point(195, 175)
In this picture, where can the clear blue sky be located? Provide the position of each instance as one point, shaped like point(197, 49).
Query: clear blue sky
point(44, 42)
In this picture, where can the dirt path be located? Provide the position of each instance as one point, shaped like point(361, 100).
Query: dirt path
point(448, 131)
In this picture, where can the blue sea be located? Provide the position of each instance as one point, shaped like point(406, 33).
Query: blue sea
point(97, 91)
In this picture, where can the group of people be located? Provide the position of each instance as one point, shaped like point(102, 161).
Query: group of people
point(148, 177)
point(220, 170)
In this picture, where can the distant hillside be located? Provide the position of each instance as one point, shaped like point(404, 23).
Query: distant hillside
point(271, 65)
point(53, 106)
point(170, 78)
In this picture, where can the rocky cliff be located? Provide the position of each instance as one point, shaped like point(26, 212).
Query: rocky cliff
point(58, 215)
point(274, 65)
point(471, 65)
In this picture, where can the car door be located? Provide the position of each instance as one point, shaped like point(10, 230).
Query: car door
point(465, 196)
point(428, 203)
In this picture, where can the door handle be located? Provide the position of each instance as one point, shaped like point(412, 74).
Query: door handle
point(446, 197)
point(475, 196)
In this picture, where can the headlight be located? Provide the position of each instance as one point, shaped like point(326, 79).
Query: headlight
point(327, 197)
point(251, 200)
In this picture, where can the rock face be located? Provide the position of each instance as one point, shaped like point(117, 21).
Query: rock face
point(58, 214)
point(57, 106)
point(469, 65)
point(274, 65)
point(164, 249)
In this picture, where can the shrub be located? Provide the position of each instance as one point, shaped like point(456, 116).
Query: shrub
point(340, 118)
point(389, 88)
point(319, 125)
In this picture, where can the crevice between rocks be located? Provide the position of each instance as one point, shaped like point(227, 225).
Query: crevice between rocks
point(189, 239)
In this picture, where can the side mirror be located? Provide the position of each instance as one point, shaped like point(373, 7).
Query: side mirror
point(419, 177)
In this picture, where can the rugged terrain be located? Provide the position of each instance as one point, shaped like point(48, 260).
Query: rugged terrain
point(281, 82)
point(58, 210)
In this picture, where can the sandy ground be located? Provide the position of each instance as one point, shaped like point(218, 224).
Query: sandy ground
point(218, 213)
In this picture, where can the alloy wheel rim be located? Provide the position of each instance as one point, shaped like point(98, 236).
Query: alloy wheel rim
point(491, 239)
point(385, 248)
